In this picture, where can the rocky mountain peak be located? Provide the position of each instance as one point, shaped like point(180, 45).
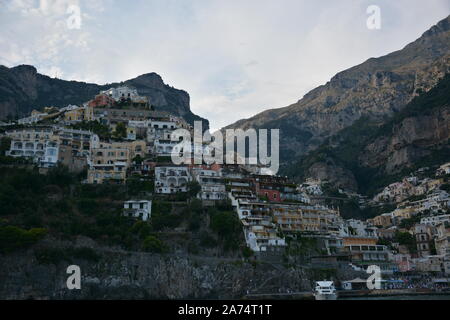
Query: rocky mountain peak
point(376, 88)
point(440, 27)
point(23, 89)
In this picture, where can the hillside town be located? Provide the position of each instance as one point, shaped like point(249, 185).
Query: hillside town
point(118, 135)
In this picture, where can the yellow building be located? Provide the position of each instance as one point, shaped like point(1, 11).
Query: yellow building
point(110, 161)
point(74, 115)
point(79, 114)
point(384, 220)
point(404, 213)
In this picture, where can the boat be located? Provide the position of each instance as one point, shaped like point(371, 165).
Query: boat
point(325, 290)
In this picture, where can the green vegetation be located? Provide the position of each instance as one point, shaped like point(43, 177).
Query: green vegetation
point(302, 246)
point(95, 126)
point(121, 131)
point(137, 185)
point(193, 188)
point(207, 240)
point(247, 252)
point(402, 238)
point(370, 212)
point(406, 239)
point(59, 204)
point(411, 222)
point(195, 214)
point(228, 227)
point(65, 208)
point(153, 244)
point(445, 187)
point(14, 238)
point(5, 143)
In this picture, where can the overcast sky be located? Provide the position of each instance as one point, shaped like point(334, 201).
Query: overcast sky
point(235, 58)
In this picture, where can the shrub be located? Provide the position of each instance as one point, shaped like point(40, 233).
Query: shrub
point(228, 227)
point(153, 244)
point(87, 206)
point(225, 223)
point(207, 241)
point(247, 252)
point(14, 238)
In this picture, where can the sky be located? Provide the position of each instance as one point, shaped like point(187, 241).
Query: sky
point(235, 58)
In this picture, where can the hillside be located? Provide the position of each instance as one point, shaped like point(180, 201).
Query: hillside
point(23, 89)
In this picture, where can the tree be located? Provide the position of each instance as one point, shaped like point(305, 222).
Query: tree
point(95, 126)
point(137, 159)
point(408, 240)
point(247, 252)
point(153, 244)
point(5, 143)
point(193, 189)
point(13, 238)
point(121, 130)
point(227, 225)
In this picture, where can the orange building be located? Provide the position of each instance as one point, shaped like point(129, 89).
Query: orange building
point(102, 100)
point(356, 241)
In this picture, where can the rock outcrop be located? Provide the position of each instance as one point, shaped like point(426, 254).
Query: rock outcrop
point(411, 140)
point(23, 89)
point(136, 275)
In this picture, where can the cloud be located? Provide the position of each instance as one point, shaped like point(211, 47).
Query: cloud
point(235, 58)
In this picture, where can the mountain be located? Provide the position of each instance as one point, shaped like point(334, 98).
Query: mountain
point(23, 89)
point(370, 154)
point(376, 89)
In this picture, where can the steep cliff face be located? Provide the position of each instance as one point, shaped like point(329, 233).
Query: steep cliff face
point(411, 140)
point(333, 173)
point(23, 89)
point(134, 275)
point(377, 88)
point(364, 155)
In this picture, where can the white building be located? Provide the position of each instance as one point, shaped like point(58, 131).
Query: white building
point(164, 148)
point(263, 238)
point(34, 118)
point(444, 169)
point(141, 209)
point(171, 179)
point(357, 228)
point(41, 144)
point(50, 158)
point(312, 187)
point(211, 182)
point(121, 92)
point(435, 220)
